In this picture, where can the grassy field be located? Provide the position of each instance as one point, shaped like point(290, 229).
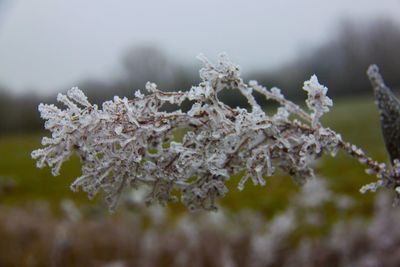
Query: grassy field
point(356, 119)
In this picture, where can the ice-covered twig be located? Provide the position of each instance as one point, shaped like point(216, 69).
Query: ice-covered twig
point(131, 142)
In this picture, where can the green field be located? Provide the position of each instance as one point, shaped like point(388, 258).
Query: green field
point(356, 119)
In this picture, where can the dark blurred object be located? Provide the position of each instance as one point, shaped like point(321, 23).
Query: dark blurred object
point(7, 185)
point(389, 111)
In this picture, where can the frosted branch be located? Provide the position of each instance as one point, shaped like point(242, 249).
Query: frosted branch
point(129, 142)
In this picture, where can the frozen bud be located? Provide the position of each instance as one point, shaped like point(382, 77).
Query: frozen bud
point(118, 129)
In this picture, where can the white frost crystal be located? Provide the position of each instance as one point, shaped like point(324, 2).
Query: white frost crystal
point(128, 142)
point(317, 100)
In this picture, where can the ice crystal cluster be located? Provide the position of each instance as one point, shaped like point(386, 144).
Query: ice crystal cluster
point(130, 142)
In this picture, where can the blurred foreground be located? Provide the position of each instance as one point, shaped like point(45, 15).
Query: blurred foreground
point(299, 236)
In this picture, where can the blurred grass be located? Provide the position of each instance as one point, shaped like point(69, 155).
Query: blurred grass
point(33, 184)
point(356, 119)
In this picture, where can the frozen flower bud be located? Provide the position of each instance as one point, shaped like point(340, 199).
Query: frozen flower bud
point(317, 100)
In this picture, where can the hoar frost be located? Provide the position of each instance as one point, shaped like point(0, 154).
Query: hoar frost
point(130, 142)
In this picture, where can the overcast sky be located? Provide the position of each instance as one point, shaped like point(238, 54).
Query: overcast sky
point(52, 44)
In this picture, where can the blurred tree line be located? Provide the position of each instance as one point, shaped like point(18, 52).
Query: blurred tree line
point(340, 64)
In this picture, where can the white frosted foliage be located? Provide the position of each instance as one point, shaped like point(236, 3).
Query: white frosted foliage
point(129, 142)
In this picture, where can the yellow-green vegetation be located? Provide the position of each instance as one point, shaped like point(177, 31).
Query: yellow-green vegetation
point(356, 119)
point(32, 184)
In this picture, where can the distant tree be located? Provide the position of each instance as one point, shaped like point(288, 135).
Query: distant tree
point(140, 65)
